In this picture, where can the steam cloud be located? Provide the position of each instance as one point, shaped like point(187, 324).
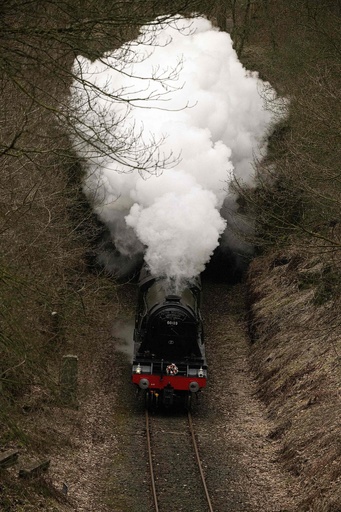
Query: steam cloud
point(178, 118)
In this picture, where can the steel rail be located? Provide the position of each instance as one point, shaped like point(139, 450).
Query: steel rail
point(195, 446)
point(151, 470)
point(196, 450)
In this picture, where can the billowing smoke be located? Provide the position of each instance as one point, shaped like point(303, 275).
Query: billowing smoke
point(164, 124)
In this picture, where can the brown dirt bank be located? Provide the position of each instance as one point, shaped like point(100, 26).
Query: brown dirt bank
point(296, 356)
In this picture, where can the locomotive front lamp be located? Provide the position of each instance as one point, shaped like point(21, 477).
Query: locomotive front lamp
point(138, 368)
point(201, 372)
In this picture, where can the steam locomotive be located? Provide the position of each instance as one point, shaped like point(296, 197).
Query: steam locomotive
point(169, 363)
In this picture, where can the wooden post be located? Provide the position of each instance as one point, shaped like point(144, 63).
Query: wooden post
point(34, 470)
point(69, 380)
point(8, 458)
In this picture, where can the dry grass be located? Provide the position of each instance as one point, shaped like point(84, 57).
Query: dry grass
point(294, 290)
point(297, 358)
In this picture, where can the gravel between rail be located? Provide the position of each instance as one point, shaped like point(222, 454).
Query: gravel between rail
point(177, 476)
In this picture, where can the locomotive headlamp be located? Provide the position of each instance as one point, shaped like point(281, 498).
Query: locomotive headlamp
point(144, 383)
point(201, 372)
point(138, 368)
point(194, 387)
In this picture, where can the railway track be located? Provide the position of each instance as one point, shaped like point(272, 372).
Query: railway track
point(177, 477)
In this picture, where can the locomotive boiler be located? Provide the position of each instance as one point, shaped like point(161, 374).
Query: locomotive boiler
point(169, 363)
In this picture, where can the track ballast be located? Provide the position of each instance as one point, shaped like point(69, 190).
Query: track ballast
point(177, 477)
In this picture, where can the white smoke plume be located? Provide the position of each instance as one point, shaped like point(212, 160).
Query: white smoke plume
point(164, 127)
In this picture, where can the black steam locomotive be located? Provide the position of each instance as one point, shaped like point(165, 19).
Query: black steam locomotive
point(169, 362)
